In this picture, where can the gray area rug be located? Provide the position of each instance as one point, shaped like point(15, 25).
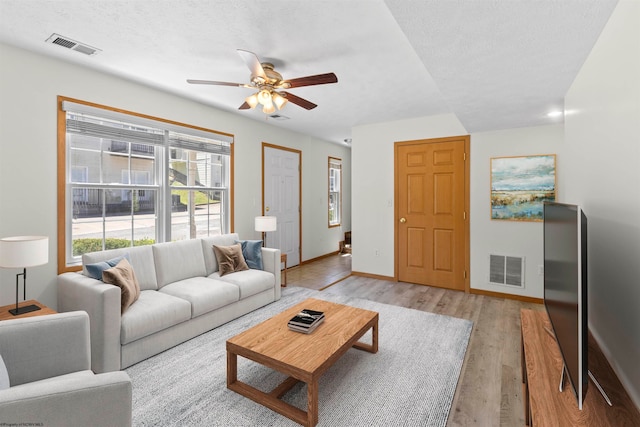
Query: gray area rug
point(409, 382)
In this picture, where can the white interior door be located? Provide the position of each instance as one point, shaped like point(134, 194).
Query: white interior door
point(281, 196)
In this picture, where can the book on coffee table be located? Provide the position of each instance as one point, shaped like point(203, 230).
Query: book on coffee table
point(306, 329)
point(306, 321)
point(306, 318)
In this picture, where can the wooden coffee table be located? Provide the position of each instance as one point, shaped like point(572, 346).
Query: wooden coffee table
point(303, 357)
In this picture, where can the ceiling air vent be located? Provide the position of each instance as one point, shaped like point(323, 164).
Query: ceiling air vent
point(279, 117)
point(72, 44)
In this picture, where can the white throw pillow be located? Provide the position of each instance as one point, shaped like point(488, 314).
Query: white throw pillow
point(4, 375)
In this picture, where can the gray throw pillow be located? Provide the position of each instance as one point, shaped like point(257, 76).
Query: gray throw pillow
point(252, 252)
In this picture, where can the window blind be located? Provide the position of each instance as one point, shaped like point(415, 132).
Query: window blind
point(103, 123)
point(86, 125)
point(191, 142)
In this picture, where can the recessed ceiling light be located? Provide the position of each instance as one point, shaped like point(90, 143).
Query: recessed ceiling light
point(555, 113)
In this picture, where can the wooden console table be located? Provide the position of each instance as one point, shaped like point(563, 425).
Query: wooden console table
point(5, 315)
point(545, 406)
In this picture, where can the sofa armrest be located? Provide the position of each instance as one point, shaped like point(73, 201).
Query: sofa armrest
point(83, 400)
point(271, 263)
point(102, 302)
point(37, 348)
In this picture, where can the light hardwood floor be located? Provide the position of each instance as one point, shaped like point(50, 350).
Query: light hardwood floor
point(489, 391)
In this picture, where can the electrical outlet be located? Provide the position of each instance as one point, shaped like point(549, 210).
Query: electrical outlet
point(377, 252)
point(541, 270)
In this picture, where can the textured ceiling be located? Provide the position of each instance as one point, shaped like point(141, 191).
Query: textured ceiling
point(495, 64)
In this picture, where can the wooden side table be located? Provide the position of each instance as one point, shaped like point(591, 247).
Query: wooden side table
point(44, 310)
point(283, 258)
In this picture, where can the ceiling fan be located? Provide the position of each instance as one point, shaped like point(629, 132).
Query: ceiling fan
point(270, 85)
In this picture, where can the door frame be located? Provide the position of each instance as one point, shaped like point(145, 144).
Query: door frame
point(299, 153)
point(396, 215)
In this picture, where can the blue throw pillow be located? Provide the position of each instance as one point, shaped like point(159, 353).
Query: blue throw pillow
point(252, 253)
point(95, 270)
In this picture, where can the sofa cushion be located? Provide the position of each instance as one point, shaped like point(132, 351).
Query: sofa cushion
point(252, 252)
point(153, 312)
point(250, 282)
point(203, 294)
point(210, 261)
point(140, 258)
point(123, 276)
point(178, 261)
point(230, 259)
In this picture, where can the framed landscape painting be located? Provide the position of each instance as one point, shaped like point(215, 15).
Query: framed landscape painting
point(520, 185)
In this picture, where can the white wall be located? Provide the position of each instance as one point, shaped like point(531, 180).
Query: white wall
point(603, 140)
point(372, 175)
point(373, 212)
point(315, 214)
point(514, 238)
point(29, 85)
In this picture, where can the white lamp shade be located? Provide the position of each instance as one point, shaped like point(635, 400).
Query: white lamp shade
point(24, 251)
point(279, 100)
point(252, 100)
point(268, 109)
point(264, 97)
point(266, 223)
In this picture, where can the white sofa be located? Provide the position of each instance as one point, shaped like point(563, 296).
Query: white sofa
point(182, 296)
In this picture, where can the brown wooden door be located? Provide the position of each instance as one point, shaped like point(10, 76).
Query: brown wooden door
point(431, 200)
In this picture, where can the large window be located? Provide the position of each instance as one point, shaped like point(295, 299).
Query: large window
point(335, 191)
point(131, 180)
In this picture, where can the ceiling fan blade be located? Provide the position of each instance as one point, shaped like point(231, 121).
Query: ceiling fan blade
point(244, 106)
point(307, 105)
point(253, 63)
point(319, 79)
point(211, 82)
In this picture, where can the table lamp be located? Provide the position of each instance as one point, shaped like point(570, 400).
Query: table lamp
point(23, 252)
point(264, 224)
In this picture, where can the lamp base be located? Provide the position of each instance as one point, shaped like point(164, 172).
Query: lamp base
point(22, 310)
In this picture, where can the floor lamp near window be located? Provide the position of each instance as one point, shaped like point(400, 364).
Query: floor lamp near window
point(23, 252)
point(264, 224)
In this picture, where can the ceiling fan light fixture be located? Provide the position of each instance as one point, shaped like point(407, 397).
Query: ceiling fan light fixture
point(269, 109)
point(279, 100)
point(264, 97)
point(267, 81)
point(252, 100)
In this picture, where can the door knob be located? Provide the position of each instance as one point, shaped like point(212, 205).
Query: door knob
point(267, 209)
point(403, 220)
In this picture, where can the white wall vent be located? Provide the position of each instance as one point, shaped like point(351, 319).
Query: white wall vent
point(279, 117)
point(506, 270)
point(72, 44)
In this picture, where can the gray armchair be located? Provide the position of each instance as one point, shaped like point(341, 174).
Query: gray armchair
point(48, 359)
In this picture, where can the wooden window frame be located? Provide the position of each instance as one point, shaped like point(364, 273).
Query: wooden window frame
point(62, 171)
point(333, 161)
